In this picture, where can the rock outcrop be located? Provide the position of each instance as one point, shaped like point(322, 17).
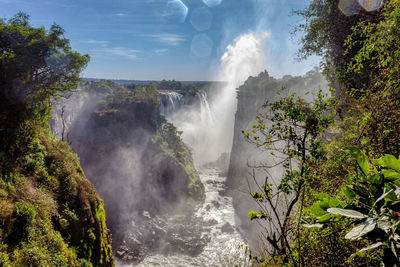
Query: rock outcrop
point(136, 160)
point(251, 96)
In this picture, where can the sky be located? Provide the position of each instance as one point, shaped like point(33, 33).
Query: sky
point(168, 39)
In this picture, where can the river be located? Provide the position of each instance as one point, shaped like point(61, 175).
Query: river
point(226, 246)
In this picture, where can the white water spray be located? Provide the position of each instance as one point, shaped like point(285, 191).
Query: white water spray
point(211, 134)
point(170, 102)
point(205, 110)
point(242, 59)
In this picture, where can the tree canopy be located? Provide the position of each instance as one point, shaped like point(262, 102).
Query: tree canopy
point(35, 64)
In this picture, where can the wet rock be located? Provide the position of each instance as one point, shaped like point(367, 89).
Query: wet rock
point(227, 228)
point(212, 222)
point(216, 204)
point(175, 235)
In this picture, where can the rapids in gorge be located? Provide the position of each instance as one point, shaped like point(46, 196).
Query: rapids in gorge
point(218, 219)
point(211, 236)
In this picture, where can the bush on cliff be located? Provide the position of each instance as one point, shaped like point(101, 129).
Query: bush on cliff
point(50, 214)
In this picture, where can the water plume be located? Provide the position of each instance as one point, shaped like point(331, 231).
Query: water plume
point(211, 135)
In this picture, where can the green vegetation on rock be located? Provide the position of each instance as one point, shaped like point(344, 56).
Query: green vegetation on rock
point(171, 143)
point(50, 214)
point(347, 214)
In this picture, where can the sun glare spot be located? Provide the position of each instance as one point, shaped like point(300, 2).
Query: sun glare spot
point(176, 11)
point(212, 3)
point(201, 19)
point(202, 46)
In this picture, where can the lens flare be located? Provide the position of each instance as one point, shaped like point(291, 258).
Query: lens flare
point(176, 11)
point(371, 5)
point(202, 46)
point(201, 19)
point(212, 3)
point(349, 7)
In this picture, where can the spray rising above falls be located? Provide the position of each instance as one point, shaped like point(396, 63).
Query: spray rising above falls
point(209, 138)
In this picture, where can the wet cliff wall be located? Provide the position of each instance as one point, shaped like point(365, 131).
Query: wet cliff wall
point(135, 158)
point(251, 96)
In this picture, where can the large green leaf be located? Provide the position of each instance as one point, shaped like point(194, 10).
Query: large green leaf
point(316, 210)
point(325, 218)
point(391, 175)
point(390, 161)
point(349, 193)
point(367, 226)
point(360, 157)
point(348, 213)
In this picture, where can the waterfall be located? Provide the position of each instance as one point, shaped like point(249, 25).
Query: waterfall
point(170, 102)
point(205, 111)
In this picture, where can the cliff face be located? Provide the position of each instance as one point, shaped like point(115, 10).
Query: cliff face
point(50, 214)
point(251, 96)
point(136, 160)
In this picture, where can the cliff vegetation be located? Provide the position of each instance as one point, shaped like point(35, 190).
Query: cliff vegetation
point(50, 214)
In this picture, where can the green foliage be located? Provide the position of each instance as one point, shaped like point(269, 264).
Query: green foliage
point(168, 137)
point(352, 205)
point(326, 29)
point(288, 130)
point(372, 198)
point(35, 64)
point(50, 214)
point(378, 48)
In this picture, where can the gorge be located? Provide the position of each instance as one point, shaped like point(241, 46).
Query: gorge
point(164, 208)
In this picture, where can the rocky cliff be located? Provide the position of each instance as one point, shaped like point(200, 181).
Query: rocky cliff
point(251, 96)
point(50, 214)
point(136, 160)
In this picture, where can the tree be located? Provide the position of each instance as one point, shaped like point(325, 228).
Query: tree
point(35, 65)
point(371, 199)
point(289, 130)
point(326, 29)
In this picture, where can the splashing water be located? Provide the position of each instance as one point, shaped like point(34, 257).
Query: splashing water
point(209, 136)
point(170, 102)
point(242, 59)
point(224, 248)
point(205, 111)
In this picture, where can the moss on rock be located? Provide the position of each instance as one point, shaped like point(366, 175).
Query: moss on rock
point(50, 214)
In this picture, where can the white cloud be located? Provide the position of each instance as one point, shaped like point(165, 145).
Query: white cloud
point(97, 42)
point(168, 38)
point(120, 51)
point(161, 51)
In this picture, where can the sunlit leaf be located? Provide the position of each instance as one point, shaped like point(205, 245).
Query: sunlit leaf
point(383, 195)
point(360, 157)
point(391, 175)
point(325, 218)
point(367, 226)
point(316, 210)
point(376, 245)
point(315, 225)
point(348, 213)
point(391, 162)
point(349, 193)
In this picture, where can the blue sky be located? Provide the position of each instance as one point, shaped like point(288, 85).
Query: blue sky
point(167, 39)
